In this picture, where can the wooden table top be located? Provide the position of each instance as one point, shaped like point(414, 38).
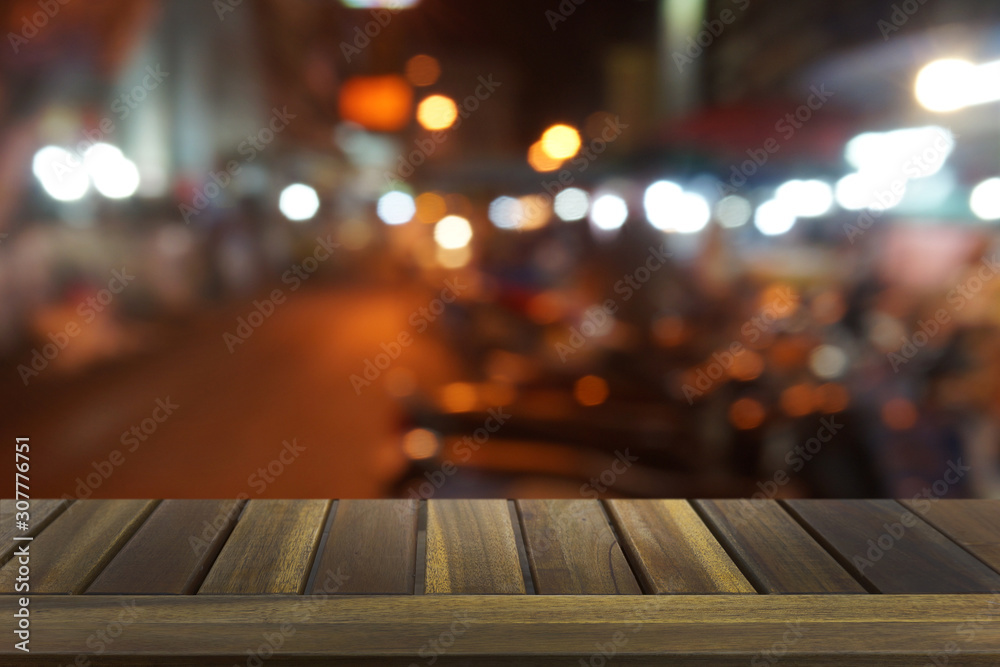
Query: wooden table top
point(851, 582)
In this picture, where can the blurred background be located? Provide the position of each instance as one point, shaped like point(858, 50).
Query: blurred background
point(555, 248)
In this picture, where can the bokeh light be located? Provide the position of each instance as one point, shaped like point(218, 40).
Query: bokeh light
point(437, 112)
point(733, 211)
point(571, 204)
point(452, 232)
point(746, 414)
point(61, 174)
point(396, 208)
point(985, 199)
point(431, 207)
point(298, 202)
point(505, 212)
point(773, 217)
point(560, 142)
point(540, 161)
point(590, 390)
point(423, 70)
point(608, 212)
point(421, 443)
point(380, 103)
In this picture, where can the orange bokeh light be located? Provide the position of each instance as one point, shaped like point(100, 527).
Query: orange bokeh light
point(590, 390)
point(437, 112)
point(899, 414)
point(431, 207)
point(422, 70)
point(379, 103)
point(798, 400)
point(539, 161)
point(560, 142)
point(746, 414)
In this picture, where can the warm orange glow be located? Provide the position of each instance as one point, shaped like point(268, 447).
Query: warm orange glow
point(497, 393)
point(746, 414)
point(539, 161)
point(832, 397)
point(669, 331)
point(430, 208)
point(560, 142)
point(422, 70)
point(590, 390)
point(536, 211)
point(747, 366)
point(458, 397)
point(828, 307)
point(437, 112)
point(798, 400)
point(380, 103)
point(400, 382)
point(778, 301)
point(546, 308)
point(420, 443)
point(899, 414)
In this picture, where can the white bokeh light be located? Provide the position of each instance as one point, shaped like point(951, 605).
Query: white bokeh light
point(113, 174)
point(660, 202)
point(733, 211)
point(571, 204)
point(61, 174)
point(806, 199)
point(985, 199)
point(452, 232)
point(773, 217)
point(396, 208)
point(608, 212)
point(298, 202)
point(506, 212)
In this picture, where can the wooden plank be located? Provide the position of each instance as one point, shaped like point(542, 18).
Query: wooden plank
point(172, 551)
point(77, 545)
point(528, 630)
point(471, 548)
point(572, 549)
point(975, 524)
point(891, 549)
point(371, 549)
point(40, 514)
point(270, 549)
point(671, 549)
point(775, 553)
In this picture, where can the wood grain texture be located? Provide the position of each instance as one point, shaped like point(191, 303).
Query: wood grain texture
point(77, 545)
point(270, 550)
point(975, 524)
point(371, 549)
point(528, 630)
point(41, 514)
point(672, 550)
point(893, 550)
point(172, 551)
point(572, 549)
point(773, 550)
point(471, 548)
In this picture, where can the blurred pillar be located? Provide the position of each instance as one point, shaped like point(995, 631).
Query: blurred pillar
point(680, 62)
